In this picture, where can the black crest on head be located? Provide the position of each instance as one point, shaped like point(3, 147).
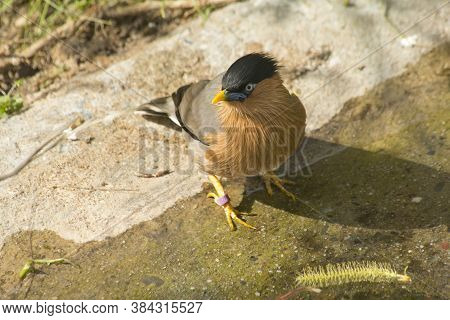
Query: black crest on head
point(251, 68)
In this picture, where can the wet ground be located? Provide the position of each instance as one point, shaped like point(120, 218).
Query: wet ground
point(377, 188)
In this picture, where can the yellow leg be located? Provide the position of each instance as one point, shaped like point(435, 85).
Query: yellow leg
point(232, 215)
point(270, 178)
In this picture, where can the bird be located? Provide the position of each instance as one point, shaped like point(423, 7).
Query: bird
point(244, 122)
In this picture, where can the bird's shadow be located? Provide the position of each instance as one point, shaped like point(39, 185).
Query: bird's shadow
point(350, 186)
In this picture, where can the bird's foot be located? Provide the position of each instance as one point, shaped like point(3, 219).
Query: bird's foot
point(270, 178)
point(221, 198)
point(231, 213)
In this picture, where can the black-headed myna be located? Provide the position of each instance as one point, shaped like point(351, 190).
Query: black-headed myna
point(242, 123)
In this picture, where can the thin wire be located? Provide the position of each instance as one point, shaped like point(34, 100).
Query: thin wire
point(428, 15)
point(75, 50)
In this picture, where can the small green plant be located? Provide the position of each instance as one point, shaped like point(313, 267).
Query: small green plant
point(351, 272)
point(203, 11)
point(10, 104)
point(42, 16)
point(162, 9)
point(29, 265)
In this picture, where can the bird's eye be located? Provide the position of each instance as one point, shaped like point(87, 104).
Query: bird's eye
point(249, 87)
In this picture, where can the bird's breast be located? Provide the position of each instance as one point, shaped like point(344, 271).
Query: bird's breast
point(252, 146)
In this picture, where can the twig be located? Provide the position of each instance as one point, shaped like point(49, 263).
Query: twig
point(388, 19)
point(152, 175)
point(153, 6)
point(64, 30)
point(94, 189)
point(55, 138)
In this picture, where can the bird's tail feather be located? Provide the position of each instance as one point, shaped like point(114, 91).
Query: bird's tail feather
point(160, 107)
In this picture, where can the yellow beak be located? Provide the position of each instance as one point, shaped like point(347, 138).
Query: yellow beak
point(220, 96)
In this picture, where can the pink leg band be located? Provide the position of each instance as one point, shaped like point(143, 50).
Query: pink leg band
point(223, 200)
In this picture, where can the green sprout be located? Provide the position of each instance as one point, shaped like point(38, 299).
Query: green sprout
point(10, 104)
point(29, 265)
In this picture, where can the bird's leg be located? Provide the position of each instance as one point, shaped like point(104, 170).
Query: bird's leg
point(222, 199)
point(270, 178)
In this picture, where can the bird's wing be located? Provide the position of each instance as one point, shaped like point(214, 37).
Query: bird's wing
point(196, 112)
point(189, 108)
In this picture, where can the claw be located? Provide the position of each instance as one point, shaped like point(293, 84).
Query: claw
point(270, 178)
point(230, 220)
point(212, 195)
point(231, 214)
point(285, 181)
point(268, 186)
